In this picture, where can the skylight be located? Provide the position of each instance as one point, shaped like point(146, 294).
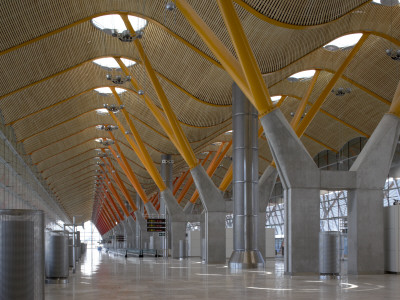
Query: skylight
point(386, 2)
point(111, 63)
point(276, 98)
point(303, 75)
point(114, 22)
point(107, 91)
point(343, 42)
point(102, 111)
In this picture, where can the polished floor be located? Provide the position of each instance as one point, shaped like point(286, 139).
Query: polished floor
point(105, 276)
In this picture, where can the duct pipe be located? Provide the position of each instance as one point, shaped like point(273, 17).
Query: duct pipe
point(245, 183)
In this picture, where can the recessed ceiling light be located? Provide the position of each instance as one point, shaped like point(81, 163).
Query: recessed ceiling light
point(111, 63)
point(303, 75)
point(343, 42)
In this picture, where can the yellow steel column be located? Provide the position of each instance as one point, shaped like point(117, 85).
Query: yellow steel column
point(110, 216)
point(190, 181)
point(157, 113)
point(144, 156)
point(186, 150)
point(123, 162)
point(302, 126)
point(110, 209)
point(180, 181)
point(395, 106)
point(212, 167)
point(228, 61)
point(114, 205)
point(118, 180)
point(303, 104)
point(226, 181)
point(115, 193)
point(261, 99)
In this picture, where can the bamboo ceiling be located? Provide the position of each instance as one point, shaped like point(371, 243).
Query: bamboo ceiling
point(47, 92)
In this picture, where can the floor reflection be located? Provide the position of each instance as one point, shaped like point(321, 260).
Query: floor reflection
point(103, 275)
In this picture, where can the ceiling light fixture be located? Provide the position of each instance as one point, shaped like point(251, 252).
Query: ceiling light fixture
point(393, 54)
point(115, 26)
point(107, 127)
point(341, 91)
point(113, 107)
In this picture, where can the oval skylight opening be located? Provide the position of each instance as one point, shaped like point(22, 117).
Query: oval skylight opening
point(107, 91)
point(276, 98)
point(386, 2)
point(303, 75)
point(114, 23)
point(343, 42)
point(102, 111)
point(111, 63)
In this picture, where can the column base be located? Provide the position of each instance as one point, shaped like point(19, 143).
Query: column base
point(249, 259)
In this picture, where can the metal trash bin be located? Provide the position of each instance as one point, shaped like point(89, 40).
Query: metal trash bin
point(329, 253)
point(70, 252)
point(21, 254)
point(56, 257)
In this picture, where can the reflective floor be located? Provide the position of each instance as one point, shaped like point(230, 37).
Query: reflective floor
point(106, 276)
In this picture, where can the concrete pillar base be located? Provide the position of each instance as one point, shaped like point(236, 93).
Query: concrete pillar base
point(214, 237)
point(178, 233)
point(365, 232)
point(251, 259)
point(302, 228)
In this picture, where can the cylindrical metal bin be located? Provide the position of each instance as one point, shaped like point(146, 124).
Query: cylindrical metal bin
point(56, 258)
point(21, 254)
point(78, 245)
point(70, 252)
point(329, 253)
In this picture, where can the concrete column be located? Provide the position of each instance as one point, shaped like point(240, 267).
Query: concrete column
point(245, 184)
point(301, 180)
point(365, 202)
point(177, 220)
point(365, 232)
point(132, 241)
point(166, 174)
point(302, 226)
point(265, 187)
point(214, 218)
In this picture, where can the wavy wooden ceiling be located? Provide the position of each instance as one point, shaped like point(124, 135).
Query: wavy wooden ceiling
point(47, 89)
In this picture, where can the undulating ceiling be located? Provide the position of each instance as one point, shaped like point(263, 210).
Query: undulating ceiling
point(48, 88)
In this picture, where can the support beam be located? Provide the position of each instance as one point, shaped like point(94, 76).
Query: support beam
point(301, 127)
point(114, 192)
point(228, 61)
point(119, 182)
point(138, 145)
point(189, 182)
point(304, 100)
point(261, 99)
point(184, 146)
